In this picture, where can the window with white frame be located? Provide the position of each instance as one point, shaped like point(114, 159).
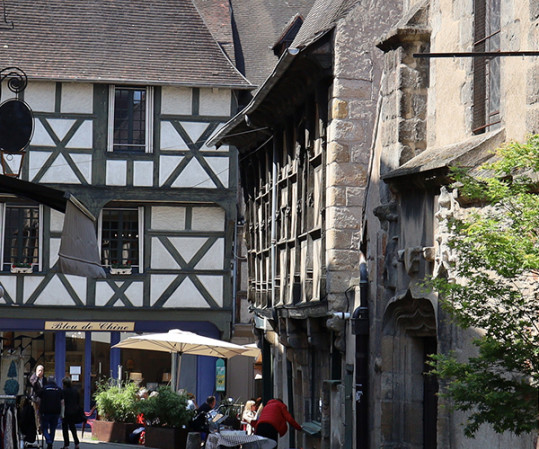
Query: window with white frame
point(21, 235)
point(120, 232)
point(130, 119)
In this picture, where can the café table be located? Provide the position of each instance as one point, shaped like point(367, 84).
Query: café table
point(238, 438)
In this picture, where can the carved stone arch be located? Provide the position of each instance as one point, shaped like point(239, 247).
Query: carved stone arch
point(408, 393)
point(410, 315)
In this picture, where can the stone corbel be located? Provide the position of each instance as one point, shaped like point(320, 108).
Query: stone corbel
point(293, 336)
point(386, 212)
point(411, 258)
point(337, 324)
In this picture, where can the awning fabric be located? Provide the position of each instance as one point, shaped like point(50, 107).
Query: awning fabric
point(79, 253)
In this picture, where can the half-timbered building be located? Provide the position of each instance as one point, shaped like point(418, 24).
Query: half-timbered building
point(330, 176)
point(304, 156)
point(124, 95)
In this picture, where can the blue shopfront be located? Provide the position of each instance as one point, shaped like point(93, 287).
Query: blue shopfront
point(83, 350)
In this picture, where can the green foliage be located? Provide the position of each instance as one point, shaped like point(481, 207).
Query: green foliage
point(167, 409)
point(117, 401)
point(493, 286)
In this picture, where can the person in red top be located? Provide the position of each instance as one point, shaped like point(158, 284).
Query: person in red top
point(273, 419)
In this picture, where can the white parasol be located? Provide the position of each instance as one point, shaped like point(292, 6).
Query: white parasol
point(181, 342)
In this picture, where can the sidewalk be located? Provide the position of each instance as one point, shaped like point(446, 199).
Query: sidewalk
point(87, 442)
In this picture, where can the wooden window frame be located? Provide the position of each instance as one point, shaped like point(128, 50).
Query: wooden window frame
point(147, 147)
point(36, 260)
point(138, 266)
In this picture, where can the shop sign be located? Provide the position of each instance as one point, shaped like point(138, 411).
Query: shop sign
point(220, 375)
point(90, 326)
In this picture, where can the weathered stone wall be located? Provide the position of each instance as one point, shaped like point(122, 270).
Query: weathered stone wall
point(451, 88)
point(423, 107)
point(353, 100)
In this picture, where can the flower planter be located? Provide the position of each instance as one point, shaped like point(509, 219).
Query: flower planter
point(21, 270)
point(122, 271)
point(111, 431)
point(166, 438)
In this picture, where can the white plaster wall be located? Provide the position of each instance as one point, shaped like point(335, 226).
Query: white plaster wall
point(135, 293)
point(104, 292)
point(83, 137)
point(6, 93)
point(9, 283)
point(170, 140)
point(215, 102)
point(220, 166)
point(56, 220)
point(13, 161)
point(176, 100)
point(77, 98)
point(193, 176)
point(208, 219)
point(143, 173)
point(55, 294)
point(167, 218)
point(186, 295)
point(60, 170)
point(214, 258)
point(167, 164)
point(54, 248)
point(161, 258)
point(83, 163)
point(40, 96)
point(187, 247)
point(116, 173)
point(41, 137)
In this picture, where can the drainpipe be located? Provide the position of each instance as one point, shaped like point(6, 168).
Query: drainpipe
point(273, 226)
point(360, 323)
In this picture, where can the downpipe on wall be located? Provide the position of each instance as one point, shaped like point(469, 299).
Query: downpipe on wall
point(360, 328)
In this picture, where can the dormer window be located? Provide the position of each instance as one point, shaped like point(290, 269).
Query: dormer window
point(130, 119)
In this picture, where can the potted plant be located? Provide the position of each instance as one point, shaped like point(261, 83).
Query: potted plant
point(167, 417)
point(121, 268)
point(117, 409)
point(21, 267)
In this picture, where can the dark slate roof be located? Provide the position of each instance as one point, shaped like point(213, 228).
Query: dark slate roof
point(259, 24)
point(322, 18)
point(218, 18)
point(128, 41)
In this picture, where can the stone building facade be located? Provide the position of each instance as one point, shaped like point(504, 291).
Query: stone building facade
point(358, 138)
point(438, 111)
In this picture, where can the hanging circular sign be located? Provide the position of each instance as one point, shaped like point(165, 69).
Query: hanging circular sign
point(16, 126)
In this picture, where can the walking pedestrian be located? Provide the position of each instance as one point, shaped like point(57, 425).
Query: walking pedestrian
point(71, 412)
point(36, 382)
point(50, 408)
point(272, 421)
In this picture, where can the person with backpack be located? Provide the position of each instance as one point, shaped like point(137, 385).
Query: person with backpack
point(50, 409)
